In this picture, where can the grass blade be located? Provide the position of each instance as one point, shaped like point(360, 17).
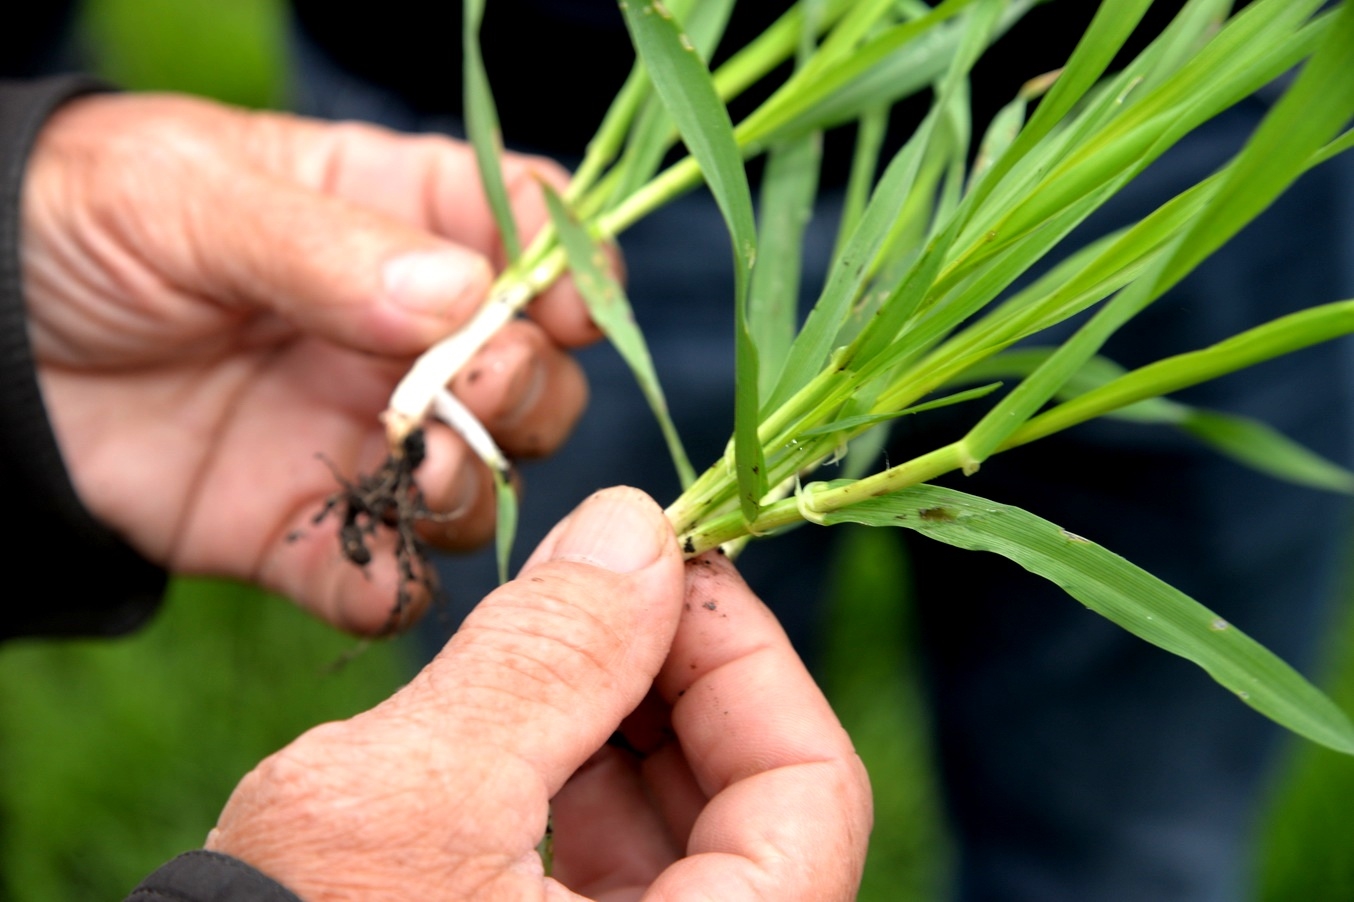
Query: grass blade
point(1273, 339)
point(481, 125)
point(789, 185)
point(1317, 107)
point(836, 87)
point(1123, 132)
point(612, 313)
point(681, 78)
point(1262, 448)
point(854, 264)
point(851, 268)
point(870, 132)
point(653, 133)
point(1246, 441)
point(606, 142)
point(1108, 31)
point(848, 424)
point(1311, 112)
point(1121, 592)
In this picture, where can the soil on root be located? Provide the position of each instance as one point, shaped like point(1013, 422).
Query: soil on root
point(387, 499)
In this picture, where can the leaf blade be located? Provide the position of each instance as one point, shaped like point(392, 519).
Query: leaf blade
point(611, 311)
point(683, 82)
point(481, 124)
point(1121, 592)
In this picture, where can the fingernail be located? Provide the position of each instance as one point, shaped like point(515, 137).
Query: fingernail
point(610, 531)
point(432, 282)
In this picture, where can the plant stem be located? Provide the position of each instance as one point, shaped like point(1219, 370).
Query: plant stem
point(414, 395)
point(816, 499)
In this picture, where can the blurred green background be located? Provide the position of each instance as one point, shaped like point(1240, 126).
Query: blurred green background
point(115, 756)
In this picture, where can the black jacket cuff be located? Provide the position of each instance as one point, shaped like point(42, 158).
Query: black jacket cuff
point(203, 876)
point(93, 583)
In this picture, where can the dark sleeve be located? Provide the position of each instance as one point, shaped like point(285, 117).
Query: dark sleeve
point(209, 877)
point(90, 581)
point(93, 582)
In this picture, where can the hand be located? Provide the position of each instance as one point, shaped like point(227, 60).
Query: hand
point(217, 296)
point(746, 787)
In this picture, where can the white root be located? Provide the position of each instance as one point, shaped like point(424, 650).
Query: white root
point(416, 393)
point(449, 409)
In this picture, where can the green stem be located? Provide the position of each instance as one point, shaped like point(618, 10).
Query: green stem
point(820, 498)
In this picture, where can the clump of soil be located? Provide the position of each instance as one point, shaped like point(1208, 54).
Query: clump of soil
point(387, 499)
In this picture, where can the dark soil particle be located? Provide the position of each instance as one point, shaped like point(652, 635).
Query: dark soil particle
point(387, 499)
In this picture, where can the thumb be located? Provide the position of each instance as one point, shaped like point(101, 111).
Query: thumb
point(573, 643)
point(446, 784)
point(329, 266)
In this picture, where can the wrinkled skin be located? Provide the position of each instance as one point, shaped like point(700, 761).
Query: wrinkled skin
point(745, 786)
point(216, 296)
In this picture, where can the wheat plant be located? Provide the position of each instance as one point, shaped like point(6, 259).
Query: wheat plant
point(918, 309)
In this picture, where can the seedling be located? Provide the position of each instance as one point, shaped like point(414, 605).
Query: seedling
point(918, 305)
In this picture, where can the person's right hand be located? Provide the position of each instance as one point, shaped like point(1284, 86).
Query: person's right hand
point(744, 786)
point(215, 297)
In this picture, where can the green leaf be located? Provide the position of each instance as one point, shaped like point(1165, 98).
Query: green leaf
point(850, 424)
point(481, 125)
point(851, 267)
point(789, 184)
point(1109, 29)
point(1245, 440)
point(870, 131)
point(606, 142)
point(1000, 134)
point(683, 81)
point(611, 311)
point(1123, 132)
point(1119, 591)
point(681, 78)
point(1265, 342)
point(1262, 448)
point(854, 264)
point(1313, 111)
point(1310, 113)
point(1341, 144)
point(620, 117)
point(839, 84)
point(505, 527)
point(653, 132)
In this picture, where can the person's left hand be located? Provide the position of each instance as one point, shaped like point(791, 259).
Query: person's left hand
point(215, 297)
point(745, 786)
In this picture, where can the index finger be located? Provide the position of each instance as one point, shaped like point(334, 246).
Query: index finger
point(789, 811)
point(431, 182)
